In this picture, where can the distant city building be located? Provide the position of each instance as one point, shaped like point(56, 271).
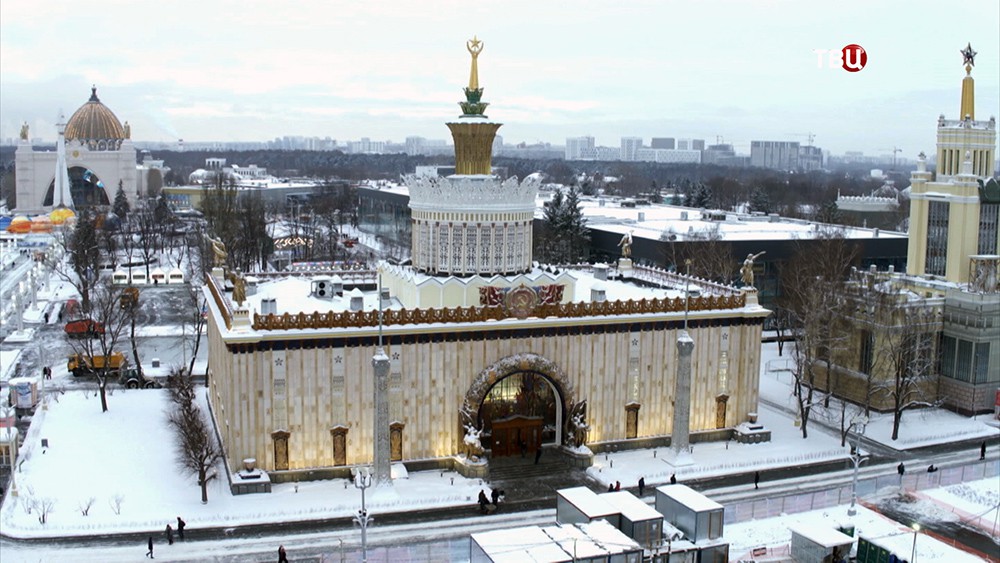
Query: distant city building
point(777, 155)
point(629, 147)
point(716, 154)
point(690, 144)
point(607, 153)
point(668, 156)
point(580, 148)
point(663, 143)
point(810, 158)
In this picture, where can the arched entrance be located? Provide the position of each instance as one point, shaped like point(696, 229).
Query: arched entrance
point(519, 403)
point(85, 188)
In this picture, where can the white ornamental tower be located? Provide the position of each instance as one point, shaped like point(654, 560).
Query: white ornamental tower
point(471, 223)
point(61, 195)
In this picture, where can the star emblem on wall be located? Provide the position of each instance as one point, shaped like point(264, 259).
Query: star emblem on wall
point(635, 342)
point(338, 359)
point(395, 356)
point(279, 362)
point(968, 55)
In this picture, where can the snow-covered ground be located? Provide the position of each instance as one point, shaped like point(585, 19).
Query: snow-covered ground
point(128, 454)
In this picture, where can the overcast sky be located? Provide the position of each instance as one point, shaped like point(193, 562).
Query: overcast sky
point(744, 70)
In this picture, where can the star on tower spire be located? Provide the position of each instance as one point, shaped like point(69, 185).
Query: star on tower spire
point(968, 110)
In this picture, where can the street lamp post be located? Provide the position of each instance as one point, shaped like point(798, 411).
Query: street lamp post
point(363, 480)
point(913, 553)
point(859, 429)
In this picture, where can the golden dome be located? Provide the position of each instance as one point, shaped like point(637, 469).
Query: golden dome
point(60, 215)
point(93, 123)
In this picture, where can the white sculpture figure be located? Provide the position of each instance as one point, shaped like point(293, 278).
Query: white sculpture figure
point(746, 272)
point(626, 244)
point(472, 440)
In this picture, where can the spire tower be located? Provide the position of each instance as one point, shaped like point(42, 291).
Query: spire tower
point(968, 110)
point(473, 135)
point(61, 195)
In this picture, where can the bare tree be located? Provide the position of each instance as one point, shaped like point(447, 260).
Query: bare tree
point(106, 309)
point(813, 282)
point(149, 232)
point(901, 341)
point(196, 444)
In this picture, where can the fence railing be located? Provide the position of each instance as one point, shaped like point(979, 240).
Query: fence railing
point(736, 512)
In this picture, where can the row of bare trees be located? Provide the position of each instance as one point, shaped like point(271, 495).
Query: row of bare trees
point(197, 449)
point(861, 337)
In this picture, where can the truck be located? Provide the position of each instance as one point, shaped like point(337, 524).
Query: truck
point(82, 364)
point(84, 328)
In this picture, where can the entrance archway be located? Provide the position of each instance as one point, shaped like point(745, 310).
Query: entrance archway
point(526, 398)
point(85, 188)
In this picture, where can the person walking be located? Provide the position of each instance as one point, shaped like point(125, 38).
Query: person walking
point(642, 485)
point(982, 450)
point(170, 535)
point(756, 479)
point(495, 497)
point(611, 487)
point(483, 501)
point(180, 527)
point(538, 454)
point(618, 485)
point(282, 556)
point(901, 469)
point(673, 478)
point(149, 543)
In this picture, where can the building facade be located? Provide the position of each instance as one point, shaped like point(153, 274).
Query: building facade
point(311, 375)
point(99, 155)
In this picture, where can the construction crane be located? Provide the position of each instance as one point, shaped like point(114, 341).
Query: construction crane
point(810, 136)
point(894, 151)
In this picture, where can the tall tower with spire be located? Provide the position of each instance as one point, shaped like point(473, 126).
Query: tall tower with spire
point(951, 216)
point(472, 223)
point(61, 194)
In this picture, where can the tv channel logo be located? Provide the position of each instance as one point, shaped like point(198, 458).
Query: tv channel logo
point(851, 58)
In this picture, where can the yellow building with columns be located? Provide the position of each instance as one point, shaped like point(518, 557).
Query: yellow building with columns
point(951, 218)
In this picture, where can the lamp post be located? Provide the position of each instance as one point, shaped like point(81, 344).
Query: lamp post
point(916, 532)
point(859, 429)
point(363, 480)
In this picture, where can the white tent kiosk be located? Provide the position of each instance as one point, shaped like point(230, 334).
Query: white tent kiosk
point(820, 544)
point(638, 520)
point(580, 504)
point(699, 517)
point(595, 542)
point(175, 276)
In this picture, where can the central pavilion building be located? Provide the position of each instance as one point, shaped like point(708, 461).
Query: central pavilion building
point(477, 335)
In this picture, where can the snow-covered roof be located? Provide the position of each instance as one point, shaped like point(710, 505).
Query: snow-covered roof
point(822, 535)
point(517, 545)
point(587, 502)
point(630, 506)
point(689, 498)
point(652, 221)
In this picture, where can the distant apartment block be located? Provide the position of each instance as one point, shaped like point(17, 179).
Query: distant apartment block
point(668, 156)
point(580, 148)
point(690, 144)
point(630, 147)
point(663, 143)
point(777, 155)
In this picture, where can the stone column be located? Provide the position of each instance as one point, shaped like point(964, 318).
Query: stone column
point(382, 476)
point(681, 431)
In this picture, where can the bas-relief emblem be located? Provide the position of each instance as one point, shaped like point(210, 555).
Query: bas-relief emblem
point(521, 302)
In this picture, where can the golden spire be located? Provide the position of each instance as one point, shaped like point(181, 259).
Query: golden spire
point(968, 84)
point(475, 46)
